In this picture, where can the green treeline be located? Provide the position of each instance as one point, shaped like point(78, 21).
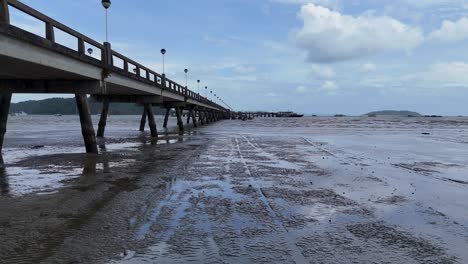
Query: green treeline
point(67, 106)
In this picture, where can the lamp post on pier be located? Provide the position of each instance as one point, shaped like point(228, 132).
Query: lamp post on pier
point(186, 77)
point(163, 52)
point(106, 4)
point(198, 81)
point(206, 92)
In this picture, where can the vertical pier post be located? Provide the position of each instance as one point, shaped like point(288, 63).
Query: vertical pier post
point(4, 12)
point(180, 123)
point(188, 117)
point(205, 116)
point(194, 118)
point(143, 120)
point(200, 117)
point(166, 117)
point(87, 128)
point(5, 100)
point(103, 119)
point(151, 121)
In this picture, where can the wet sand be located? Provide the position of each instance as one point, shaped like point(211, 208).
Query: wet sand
point(270, 190)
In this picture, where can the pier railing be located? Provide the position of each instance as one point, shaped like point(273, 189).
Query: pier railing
point(129, 68)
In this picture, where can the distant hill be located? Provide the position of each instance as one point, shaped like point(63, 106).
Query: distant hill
point(393, 113)
point(67, 106)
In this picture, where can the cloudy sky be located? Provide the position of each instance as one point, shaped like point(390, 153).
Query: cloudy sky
point(310, 56)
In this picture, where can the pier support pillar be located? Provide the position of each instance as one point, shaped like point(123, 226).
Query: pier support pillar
point(143, 120)
point(194, 117)
point(5, 100)
point(200, 118)
point(87, 128)
point(206, 117)
point(180, 123)
point(103, 119)
point(188, 117)
point(166, 117)
point(151, 121)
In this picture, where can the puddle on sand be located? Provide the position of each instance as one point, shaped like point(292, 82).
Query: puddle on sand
point(18, 181)
point(48, 178)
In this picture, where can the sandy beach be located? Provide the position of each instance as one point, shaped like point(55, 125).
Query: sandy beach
point(268, 190)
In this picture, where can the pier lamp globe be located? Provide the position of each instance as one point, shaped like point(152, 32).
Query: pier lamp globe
point(90, 51)
point(106, 3)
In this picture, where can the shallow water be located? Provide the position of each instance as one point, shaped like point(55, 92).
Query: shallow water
point(270, 190)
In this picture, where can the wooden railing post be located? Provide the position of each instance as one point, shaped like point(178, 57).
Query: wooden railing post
point(81, 46)
point(137, 72)
point(4, 13)
point(163, 80)
point(50, 32)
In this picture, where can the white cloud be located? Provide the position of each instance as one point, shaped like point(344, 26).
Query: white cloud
point(244, 69)
point(431, 3)
point(451, 31)
point(330, 36)
point(302, 89)
point(443, 74)
point(368, 67)
point(329, 86)
point(443, 78)
point(320, 71)
point(333, 4)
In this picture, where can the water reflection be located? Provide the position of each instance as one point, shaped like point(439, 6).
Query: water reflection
point(50, 171)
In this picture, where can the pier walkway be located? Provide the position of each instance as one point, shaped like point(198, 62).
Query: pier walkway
point(32, 64)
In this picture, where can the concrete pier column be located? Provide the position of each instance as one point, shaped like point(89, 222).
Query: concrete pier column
point(205, 117)
point(143, 120)
point(188, 118)
point(180, 123)
point(103, 119)
point(5, 100)
point(194, 118)
point(151, 120)
point(87, 128)
point(166, 117)
point(200, 118)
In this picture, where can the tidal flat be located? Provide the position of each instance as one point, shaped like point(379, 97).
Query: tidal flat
point(268, 190)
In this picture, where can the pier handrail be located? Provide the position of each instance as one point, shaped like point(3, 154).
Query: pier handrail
point(159, 80)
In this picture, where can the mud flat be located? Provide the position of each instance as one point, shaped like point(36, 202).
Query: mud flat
point(270, 190)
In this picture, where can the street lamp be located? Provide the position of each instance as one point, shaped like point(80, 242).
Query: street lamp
point(163, 51)
point(206, 92)
point(106, 4)
point(186, 78)
point(211, 96)
point(198, 81)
